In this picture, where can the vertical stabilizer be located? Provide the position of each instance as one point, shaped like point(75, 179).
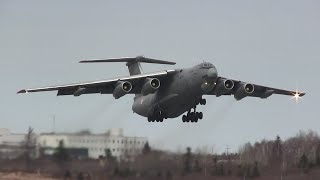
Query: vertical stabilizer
point(134, 67)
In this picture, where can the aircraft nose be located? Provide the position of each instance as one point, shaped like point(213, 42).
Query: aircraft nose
point(212, 73)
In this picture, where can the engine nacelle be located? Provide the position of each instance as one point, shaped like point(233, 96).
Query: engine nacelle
point(243, 91)
point(223, 86)
point(150, 86)
point(121, 89)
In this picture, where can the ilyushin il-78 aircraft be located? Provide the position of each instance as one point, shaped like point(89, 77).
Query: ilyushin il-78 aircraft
point(170, 93)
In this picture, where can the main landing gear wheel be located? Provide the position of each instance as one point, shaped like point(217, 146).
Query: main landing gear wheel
point(158, 117)
point(155, 120)
point(192, 116)
point(160, 120)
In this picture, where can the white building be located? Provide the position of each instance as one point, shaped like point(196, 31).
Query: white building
point(96, 144)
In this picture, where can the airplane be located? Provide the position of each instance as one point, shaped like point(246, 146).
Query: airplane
point(169, 93)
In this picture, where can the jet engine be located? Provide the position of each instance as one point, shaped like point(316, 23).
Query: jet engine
point(243, 91)
point(223, 86)
point(121, 89)
point(150, 86)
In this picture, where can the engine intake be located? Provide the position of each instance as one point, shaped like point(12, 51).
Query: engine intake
point(224, 86)
point(150, 86)
point(243, 91)
point(121, 89)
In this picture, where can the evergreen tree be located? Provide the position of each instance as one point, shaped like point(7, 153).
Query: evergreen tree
point(255, 171)
point(277, 148)
point(215, 160)
point(304, 163)
point(197, 167)
point(146, 148)
point(109, 157)
point(277, 154)
point(29, 147)
point(221, 170)
point(61, 154)
point(318, 155)
point(187, 160)
point(108, 153)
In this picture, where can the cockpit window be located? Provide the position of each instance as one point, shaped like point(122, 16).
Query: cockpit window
point(207, 65)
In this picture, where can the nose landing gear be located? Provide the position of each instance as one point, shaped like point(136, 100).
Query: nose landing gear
point(203, 102)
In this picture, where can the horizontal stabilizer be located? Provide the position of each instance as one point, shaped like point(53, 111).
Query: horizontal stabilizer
point(130, 60)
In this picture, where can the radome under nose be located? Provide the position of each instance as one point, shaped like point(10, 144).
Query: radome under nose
point(212, 74)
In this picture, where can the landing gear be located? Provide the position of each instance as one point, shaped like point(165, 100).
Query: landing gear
point(192, 116)
point(203, 102)
point(151, 119)
point(158, 117)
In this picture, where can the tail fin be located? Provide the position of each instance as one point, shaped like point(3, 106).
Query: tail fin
point(133, 63)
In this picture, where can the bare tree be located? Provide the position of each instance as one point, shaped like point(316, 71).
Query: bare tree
point(29, 147)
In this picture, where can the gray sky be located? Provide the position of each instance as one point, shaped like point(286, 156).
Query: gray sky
point(274, 43)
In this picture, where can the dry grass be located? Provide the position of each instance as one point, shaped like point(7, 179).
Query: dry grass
point(24, 176)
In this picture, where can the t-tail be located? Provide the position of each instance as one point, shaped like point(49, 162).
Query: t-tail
point(133, 63)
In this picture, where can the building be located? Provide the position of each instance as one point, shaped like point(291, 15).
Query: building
point(96, 144)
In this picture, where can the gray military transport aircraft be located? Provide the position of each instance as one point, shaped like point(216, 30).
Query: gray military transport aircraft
point(170, 93)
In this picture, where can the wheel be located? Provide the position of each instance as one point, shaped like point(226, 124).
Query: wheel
point(203, 101)
point(192, 116)
point(184, 118)
point(200, 115)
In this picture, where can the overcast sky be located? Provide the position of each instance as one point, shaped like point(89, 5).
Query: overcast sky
point(274, 43)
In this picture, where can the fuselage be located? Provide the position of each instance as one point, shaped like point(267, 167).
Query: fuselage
point(178, 94)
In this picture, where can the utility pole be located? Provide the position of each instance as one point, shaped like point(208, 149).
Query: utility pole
point(53, 123)
point(227, 150)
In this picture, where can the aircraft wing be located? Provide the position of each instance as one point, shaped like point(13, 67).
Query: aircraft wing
point(255, 90)
point(101, 86)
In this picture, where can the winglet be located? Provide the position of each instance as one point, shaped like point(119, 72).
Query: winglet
point(302, 94)
point(22, 91)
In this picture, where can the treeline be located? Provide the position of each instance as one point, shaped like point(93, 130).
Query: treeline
point(300, 152)
point(298, 156)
